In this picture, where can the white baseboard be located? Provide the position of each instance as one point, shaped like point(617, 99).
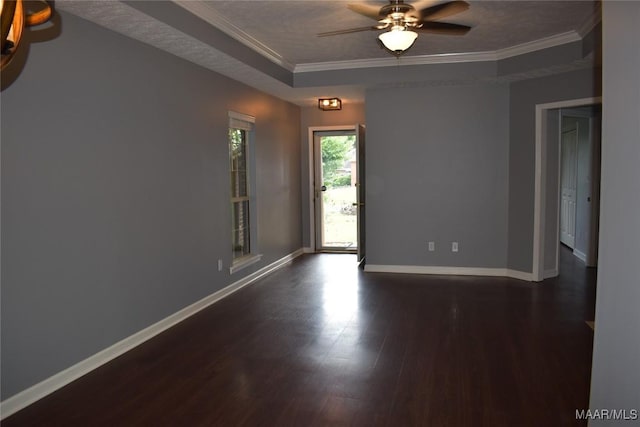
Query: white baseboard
point(520, 275)
point(453, 271)
point(59, 380)
point(580, 255)
point(419, 269)
point(547, 274)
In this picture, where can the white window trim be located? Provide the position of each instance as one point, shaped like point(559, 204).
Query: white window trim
point(238, 120)
point(245, 122)
point(244, 262)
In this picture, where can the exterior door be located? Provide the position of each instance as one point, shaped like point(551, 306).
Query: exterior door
point(568, 187)
point(335, 191)
point(361, 192)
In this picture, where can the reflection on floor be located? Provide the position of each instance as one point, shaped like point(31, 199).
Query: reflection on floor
point(591, 324)
point(580, 279)
point(320, 342)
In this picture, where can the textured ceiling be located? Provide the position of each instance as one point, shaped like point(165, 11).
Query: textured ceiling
point(287, 29)
point(290, 27)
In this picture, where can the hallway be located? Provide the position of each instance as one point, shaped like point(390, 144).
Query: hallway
point(320, 342)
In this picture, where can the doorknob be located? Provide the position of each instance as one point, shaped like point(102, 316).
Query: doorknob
point(323, 188)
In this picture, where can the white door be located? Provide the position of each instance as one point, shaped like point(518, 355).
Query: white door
point(568, 187)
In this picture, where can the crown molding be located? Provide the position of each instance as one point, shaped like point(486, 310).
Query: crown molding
point(590, 24)
point(540, 44)
point(446, 58)
point(203, 10)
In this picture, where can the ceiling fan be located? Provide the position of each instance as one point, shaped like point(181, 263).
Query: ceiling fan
point(404, 19)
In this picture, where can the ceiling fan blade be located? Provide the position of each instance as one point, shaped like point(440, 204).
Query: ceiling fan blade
point(443, 10)
point(350, 30)
point(370, 11)
point(443, 28)
point(422, 4)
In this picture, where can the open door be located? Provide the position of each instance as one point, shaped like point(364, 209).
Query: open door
point(338, 189)
point(336, 193)
point(361, 192)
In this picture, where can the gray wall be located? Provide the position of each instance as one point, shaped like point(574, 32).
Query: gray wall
point(115, 193)
point(351, 114)
point(437, 170)
point(615, 379)
point(524, 95)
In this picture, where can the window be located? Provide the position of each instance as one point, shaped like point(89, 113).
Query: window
point(242, 198)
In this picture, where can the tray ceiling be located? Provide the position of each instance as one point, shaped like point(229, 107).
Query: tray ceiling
point(289, 28)
point(285, 33)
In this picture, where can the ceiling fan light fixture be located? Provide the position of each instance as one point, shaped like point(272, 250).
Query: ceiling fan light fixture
point(398, 39)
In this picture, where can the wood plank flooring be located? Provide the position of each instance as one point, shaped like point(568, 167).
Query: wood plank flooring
point(320, 342)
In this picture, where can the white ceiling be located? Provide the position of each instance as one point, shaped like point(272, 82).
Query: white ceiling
point(289, 28)
point(285, 32)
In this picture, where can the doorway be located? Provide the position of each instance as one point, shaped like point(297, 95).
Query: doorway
point(580, 181)
point(563, 195)
point(337, 189)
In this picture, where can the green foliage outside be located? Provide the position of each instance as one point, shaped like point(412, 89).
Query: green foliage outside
point(340, 220)
point(236, 140)
point(338, 181)
point(335, 152)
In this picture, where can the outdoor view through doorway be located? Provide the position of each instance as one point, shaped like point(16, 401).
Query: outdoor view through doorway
point(336, 190)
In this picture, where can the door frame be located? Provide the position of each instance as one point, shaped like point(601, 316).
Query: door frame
point(311, 172)
point(541, 147)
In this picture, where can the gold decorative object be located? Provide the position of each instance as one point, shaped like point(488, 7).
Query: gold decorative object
point(15, 15)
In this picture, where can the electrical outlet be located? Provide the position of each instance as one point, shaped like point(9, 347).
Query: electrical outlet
point(219, 265)
point(432, 246)
point(454, 246)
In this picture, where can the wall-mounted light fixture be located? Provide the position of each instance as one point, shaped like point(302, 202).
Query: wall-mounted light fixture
point(328, 104)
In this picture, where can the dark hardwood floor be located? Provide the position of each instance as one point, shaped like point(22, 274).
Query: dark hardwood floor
point(322, 343)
